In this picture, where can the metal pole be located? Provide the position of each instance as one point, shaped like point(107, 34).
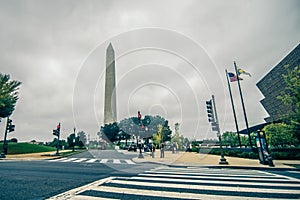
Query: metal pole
point(140, 149)
point(233, 109)
point(57, 147)
point(74, 140)
point(4, 141)
point(243, 105)
point(222, 159)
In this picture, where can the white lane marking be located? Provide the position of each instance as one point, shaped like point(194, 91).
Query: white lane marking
point(69, 160)
point(155, 193)
point(214, 171)
point(80, 160)
point(103, 161)
point(57, 160)
point(130, 162)
point(91, 160)
point(282, 176)
point(206, 187)
point(116, 161)
point(209, 177)
point(72, 193)
point(82, 197)
point(202, 173)
point(189, 181)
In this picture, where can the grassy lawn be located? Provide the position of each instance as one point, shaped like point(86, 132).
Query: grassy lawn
point(21, 148)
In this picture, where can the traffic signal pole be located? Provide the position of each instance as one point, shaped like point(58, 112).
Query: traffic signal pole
point(56, 132)
point(4, 147)
point(222, 159)
point(140, 141)
point(213, 119)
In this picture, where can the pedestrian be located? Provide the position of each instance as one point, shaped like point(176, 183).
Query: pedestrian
point(162, 150)
point(153, 151)
point(173, 148)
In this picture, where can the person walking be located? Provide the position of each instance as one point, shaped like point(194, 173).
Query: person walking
point(162, 150)
point(153, 150)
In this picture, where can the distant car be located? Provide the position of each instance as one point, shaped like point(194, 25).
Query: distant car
point(132, 147)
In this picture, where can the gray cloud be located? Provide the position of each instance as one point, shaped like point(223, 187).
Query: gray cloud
point(57, 49)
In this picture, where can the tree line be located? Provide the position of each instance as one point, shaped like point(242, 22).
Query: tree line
point(155, 128)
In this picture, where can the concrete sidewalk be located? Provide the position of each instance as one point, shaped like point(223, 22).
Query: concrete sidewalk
point(196, 159)
point(178, 159)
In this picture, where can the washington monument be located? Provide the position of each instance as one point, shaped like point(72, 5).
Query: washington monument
point(110, 106)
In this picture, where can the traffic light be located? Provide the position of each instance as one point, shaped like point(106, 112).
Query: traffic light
point(210, 112)
point(55, 132)
point(139, 116)
point(58, 127)
point(10, 126)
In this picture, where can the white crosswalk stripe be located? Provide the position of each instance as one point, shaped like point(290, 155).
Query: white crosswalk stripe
point(116, 161)
point(192, 183)
point(104, 161)
point(93, 160)
point(80, 160)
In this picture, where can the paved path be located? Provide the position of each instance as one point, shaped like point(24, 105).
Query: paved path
point(196, 159)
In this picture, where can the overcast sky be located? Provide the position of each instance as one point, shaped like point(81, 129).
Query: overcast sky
point(171, 56)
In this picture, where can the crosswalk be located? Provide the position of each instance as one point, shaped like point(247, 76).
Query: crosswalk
point(92, 160)
point(174, 183)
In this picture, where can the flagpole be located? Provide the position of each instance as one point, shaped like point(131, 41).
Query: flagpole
point(243, 105)
point(233, 109)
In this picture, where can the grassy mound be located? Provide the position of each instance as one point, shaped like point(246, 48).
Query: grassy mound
point(21, 148)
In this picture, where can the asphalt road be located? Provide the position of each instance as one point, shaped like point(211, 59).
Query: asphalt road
point(42, 179)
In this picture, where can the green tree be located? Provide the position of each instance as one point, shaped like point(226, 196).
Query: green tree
point(82, 139)
point(291, 98)
point(109, 132)
point(230, 139)
point(8, 95)
point(71, 140)
point(145, 129)
point(61, 143)
point(280, 135)
point(124, 136)
point(158, 137)
point(245, 140)
point(166, 132)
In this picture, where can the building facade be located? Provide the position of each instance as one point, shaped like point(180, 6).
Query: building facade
point(272, 85)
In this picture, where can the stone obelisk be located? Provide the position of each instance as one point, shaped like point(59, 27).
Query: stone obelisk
point(110, 106)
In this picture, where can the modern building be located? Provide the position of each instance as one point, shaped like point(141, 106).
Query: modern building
point(272, 85)
point(110, 106)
